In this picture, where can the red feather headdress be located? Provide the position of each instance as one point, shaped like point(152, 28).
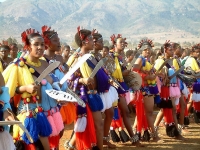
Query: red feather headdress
point(24, 36)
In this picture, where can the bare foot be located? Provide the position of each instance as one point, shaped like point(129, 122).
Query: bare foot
point(185, 131)
point(109, 145)
point(180, 137)
point(137, 144)
point(157, 140)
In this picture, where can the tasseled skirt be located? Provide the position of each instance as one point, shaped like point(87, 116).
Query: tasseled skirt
point(108, 98)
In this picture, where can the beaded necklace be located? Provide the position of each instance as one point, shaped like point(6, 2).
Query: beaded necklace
point(38, 64)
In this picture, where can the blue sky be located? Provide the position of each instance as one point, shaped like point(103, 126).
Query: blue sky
point(2, 0)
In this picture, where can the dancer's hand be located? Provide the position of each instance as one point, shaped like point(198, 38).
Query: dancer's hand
point(87, 81)
point(7, 116)
point(32, 88)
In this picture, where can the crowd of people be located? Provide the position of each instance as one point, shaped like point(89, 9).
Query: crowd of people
point(138, 80)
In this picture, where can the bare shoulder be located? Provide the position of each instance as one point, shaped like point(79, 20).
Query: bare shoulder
point(59, 58)
point(138, 61)
point(44, 63)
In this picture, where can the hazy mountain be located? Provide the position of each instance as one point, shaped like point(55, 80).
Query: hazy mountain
point(132, 18)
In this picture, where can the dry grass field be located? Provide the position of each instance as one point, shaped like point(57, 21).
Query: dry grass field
point(192, 140)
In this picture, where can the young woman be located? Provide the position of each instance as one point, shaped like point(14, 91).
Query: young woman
point(65, 53)
point(6, 141)
point(4, 59)
point(35, 108)
point(108, 97)
point(170, 92)
point(178, 52)
point(120, 71)
point(193, 63)
point(52, 43)
point(105, 51)
point(13, 50)
point(149, 87)
point(87, 88)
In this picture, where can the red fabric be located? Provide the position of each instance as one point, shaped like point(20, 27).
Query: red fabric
point(196, 106)
point(54, 141)
point(164, 92)
point(16, 99)
point(168, 115)
point(85, 139)
point(117, 123)
point(140, 113)
point(30, 147)
point(68, 113)
point(143, 75)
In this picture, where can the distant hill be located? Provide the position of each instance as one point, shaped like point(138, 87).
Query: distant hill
point(164, 19)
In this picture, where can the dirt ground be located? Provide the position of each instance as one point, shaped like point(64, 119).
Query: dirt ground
point(192, 139)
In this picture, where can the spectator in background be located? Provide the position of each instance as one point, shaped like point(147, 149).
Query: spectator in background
point(65, 52)
point(105, 51)
point(13, 50)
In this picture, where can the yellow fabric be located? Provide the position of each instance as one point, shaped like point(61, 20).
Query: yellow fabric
point(175, 64)
point(193, 63)
point(1, 67)
point(42, 58)
point(117, 74)
point(158, 63)
point(70, 60)
point(85, 70)
point(115, 103)
point(14, 76)
point(148, 67)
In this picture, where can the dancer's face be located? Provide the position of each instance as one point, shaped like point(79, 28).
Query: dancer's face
point(4, 52)
point(146, 52)
point(37, 47)
point(169, 51)
point(120, 44)
point(98, 44)
point(55, 43)
point(196, 53)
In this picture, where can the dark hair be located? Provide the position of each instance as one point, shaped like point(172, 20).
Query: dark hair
point(162, 49)
point(66, 46)
point(176, 45)
point(5, 47)
point(13, 45)
point(31, 36)
point(97, 36)
point(195, 47)
point(78, 39)
point(129, 53)
point(111, 47)
point(49, 34)
point(106, 47)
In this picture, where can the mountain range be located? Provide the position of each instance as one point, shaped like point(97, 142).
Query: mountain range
point(158, 19)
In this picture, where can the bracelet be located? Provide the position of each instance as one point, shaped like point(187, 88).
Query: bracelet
point(17, 90)
point(1, 91)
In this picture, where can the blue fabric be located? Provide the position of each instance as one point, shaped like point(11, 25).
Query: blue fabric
point(43, 125)
point(47, 102)
point(102, 78)
point(171, 72)
point(181, 85)
point(95, 102)
point(116, 113)
point(120, 91)
point(143, 60)
point(5, 97)
point(60, 75)
point(31, 126)
point(157, 99)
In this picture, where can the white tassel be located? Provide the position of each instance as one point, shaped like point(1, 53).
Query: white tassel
point(80, 124)
point(6, 141)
